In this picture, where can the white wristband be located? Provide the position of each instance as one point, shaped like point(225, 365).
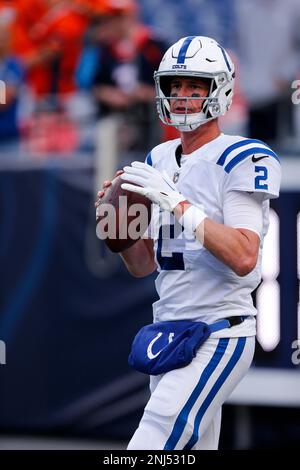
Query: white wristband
point(192, 218)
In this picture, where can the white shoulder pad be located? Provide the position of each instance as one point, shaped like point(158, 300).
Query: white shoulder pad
point(250, 165)
point(158, 152)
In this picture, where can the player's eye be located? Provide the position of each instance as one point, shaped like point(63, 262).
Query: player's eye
point(197, 86)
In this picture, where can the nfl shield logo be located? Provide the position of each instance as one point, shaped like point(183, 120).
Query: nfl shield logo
point(175, 177)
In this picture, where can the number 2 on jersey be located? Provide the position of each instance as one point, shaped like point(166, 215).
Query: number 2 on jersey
point(261, 177)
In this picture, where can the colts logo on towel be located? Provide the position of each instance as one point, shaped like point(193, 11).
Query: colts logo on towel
point(149, 349)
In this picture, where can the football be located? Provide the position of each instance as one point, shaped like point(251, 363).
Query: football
point(122, 217)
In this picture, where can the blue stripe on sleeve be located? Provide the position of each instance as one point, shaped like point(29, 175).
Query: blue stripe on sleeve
point(149, 159)
point(184, 413)
point(243, 155)
point(183, 49)
point(208, 400)
point(232, 147)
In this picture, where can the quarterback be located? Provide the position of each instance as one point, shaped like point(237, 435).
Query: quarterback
point(212, 191)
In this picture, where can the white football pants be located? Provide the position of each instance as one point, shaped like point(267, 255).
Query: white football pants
point(184, 410)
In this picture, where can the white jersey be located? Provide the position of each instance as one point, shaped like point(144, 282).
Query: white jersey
point(192, 283)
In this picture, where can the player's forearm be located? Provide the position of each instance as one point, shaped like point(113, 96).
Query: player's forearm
point(139, 258)
point(231, 246)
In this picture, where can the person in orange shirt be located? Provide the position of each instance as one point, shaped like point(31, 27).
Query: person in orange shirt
point(61, 29)
point(47, 35)
point(34, 55)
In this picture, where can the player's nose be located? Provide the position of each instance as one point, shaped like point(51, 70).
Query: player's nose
point(183, 91)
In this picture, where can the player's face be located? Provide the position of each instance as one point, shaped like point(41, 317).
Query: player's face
point(187, 87)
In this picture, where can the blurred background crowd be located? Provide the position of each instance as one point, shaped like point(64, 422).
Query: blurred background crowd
point(67, 65)
point(76, 103)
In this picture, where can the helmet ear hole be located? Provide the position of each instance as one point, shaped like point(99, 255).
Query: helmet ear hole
point(165, 85)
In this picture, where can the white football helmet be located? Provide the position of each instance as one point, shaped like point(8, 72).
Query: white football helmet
point(195, 56)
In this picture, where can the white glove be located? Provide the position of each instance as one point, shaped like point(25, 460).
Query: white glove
point(157, 187)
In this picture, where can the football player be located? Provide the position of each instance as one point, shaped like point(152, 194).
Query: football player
point(214, 191)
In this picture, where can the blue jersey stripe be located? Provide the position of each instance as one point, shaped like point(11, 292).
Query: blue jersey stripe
point(232, 147)
point(243, 155)
point(149, 159)
point(183, 49)
point(184, 413)
point(208, 400)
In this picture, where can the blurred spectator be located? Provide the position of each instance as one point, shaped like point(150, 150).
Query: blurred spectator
point(11, 73)
point(48, 37)
point(90, 55)
point(59, 33)
point(64, 26)
point(8, 12)
point(269, 51)
point(129, 55)
point(35, 55)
